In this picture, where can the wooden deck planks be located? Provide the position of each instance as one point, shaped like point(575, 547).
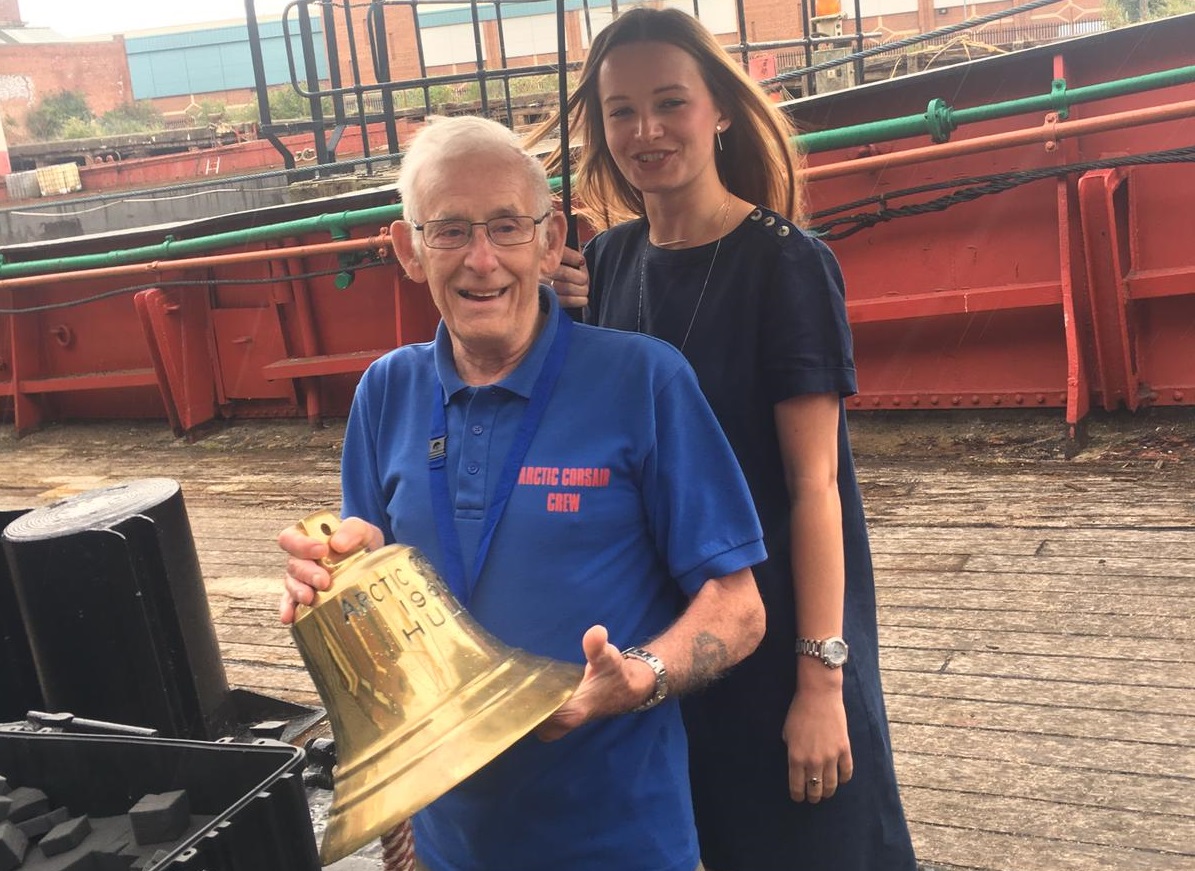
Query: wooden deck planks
point(1009, 595)
point(1080, 696)
point(1024, 737)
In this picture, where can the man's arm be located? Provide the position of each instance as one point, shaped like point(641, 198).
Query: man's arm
point(723, 623)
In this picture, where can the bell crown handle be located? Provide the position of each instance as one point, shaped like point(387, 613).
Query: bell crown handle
point(322, 525)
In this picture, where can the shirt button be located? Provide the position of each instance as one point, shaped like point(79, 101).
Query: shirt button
point(474, 468)
point(478, 429)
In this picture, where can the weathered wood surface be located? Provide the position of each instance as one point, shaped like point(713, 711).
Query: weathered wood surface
point(1037, 615)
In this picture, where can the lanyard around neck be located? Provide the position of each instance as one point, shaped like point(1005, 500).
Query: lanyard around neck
point(460, 582)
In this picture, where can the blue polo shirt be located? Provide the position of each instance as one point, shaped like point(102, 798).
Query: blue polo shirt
point(628, 500)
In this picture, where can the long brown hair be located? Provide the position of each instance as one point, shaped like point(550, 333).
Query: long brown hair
point(757, 162)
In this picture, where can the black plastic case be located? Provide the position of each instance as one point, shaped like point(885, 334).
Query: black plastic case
point(253, 792)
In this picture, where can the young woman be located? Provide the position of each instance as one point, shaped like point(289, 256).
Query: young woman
point(789, 754)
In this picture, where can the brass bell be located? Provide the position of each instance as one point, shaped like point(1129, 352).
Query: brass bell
point(419, 696)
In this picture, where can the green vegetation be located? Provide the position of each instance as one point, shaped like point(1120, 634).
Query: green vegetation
point(440, 96)
point(77, 128)
point(287, 105)
point(245, 114)
point(205, 113)
point(49, 118)
point(1121, 12)
point(66, 115)
point(139, 117)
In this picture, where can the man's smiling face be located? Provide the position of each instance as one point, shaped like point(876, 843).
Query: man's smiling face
point(487, 294)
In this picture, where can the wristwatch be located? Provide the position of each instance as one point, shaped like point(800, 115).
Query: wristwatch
point(661, 691)
point(831, 651)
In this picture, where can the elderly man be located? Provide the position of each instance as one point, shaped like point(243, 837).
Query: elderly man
point(578, 497)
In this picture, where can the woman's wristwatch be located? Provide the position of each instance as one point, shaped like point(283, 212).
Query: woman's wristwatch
point(831, 651)
point(653, 661)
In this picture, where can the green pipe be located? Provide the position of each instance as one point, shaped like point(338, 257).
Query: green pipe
point(336, 224)
point(939, 120)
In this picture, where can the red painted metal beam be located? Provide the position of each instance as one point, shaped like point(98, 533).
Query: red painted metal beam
point(309, 342)
point(27, 414)
point(1173, 394)
point(91, 381)
point(1024, 397)
point(177, 330)
point(952, 302)
point(353, 362)
point(1075, 324)
point(145, 303)
point(1103, 206)
point(1160, 283)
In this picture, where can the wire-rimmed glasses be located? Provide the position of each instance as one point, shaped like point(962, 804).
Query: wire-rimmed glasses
point(503, 231)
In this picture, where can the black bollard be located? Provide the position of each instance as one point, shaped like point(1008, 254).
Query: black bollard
point(113, 604)
point(19, 691)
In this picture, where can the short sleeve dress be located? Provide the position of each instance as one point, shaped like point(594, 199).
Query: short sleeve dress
point(761, 316)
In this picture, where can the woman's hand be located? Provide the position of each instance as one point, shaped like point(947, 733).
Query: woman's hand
point(819, 749)
point(571, 280)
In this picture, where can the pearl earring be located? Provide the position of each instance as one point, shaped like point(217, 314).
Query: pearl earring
point(718, 136)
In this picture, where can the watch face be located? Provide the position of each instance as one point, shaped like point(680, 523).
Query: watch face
point(834, 652)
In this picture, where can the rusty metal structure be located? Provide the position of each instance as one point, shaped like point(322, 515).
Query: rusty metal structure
point(1038, 259)
point(1014, 232)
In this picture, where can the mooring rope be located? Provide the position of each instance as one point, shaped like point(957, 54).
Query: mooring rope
point(966, 190)
point(398, 848)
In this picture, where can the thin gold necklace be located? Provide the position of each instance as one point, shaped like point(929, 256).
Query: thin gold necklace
point(704, 284)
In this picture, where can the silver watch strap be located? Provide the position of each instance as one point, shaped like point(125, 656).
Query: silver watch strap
point(808, 647)
point(656, 665)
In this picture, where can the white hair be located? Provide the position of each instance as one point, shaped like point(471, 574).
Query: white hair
point(442, 139)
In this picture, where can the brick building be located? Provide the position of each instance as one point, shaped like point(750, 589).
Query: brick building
point(36, 62)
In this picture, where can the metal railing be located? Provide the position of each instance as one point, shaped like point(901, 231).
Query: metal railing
point(362, 90)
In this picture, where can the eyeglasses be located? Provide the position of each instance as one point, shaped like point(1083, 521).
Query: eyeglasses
point(505, 231)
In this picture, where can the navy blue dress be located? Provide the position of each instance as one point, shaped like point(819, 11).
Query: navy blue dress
point(771, 324)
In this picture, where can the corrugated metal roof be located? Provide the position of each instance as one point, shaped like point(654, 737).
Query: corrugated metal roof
point(199, 61)
point(441, 17)
point(41, 36)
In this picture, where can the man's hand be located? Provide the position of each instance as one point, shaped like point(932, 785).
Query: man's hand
point(611, 685)
point(304, 575)
point(571, 280)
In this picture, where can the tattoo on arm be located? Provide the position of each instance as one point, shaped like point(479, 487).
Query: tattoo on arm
point(709, 659)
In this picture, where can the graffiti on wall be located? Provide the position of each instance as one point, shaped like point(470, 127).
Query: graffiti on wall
point(16, 87)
